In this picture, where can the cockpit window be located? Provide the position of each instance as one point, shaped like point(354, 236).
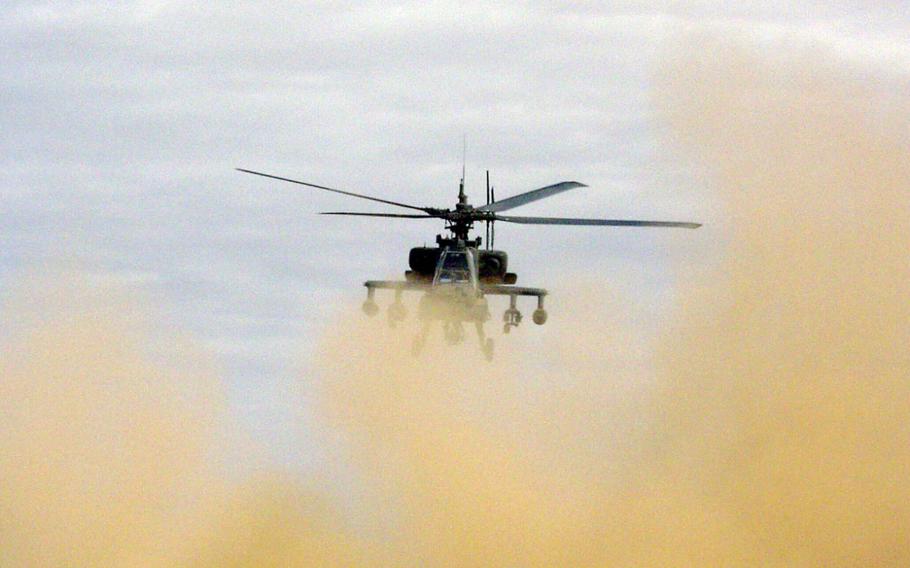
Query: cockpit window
point(453, 267)
point(455, 261)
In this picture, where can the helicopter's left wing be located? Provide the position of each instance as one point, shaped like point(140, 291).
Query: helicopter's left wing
point(402, 285)
point(508, 290)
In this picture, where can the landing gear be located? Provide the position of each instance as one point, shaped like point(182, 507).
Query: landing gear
point(486, 343)
point(453, 332)
point(456, 309)
point(397, 311)
point(420, 339)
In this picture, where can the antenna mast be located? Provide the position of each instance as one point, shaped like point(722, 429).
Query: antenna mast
point(488, 202)
point(462, 198)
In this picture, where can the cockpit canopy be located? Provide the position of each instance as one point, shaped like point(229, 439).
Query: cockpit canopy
point(454, 267)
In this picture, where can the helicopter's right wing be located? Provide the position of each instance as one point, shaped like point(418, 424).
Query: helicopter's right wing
point(509, 290)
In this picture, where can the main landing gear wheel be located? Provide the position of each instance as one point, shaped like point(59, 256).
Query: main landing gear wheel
point(488, 349)
point(454, 333)
point(420, 339)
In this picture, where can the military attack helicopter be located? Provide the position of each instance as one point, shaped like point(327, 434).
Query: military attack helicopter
point(458, 274)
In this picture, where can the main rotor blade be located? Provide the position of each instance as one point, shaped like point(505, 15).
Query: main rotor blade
point(596, 222)
point(397, 215)
point(530, 196)
point(386, 201)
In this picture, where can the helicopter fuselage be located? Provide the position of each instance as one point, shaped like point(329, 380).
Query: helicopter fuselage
point(455, 278)
point(491, 265)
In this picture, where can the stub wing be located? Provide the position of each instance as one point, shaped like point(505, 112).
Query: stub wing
point(491, 289)
point(398, 285)
point(507, 290)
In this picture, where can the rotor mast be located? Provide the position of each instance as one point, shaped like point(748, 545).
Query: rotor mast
point(460, 221)
point(461, 224)
point(462, 198)
point(460, 228)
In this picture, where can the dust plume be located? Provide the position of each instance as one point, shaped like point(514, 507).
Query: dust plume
point(112, 442)
point(96, 442)
point(772, 430)
point(777, 428)
point(786, 404)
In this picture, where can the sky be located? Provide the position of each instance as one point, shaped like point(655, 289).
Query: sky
point(121, 126)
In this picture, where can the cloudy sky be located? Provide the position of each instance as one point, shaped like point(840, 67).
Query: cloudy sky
point(120, 126)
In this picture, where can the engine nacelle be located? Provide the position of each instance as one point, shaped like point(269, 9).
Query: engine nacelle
point(423, 261)
point(492, 265)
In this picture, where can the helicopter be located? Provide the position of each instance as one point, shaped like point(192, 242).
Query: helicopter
point(456, 276)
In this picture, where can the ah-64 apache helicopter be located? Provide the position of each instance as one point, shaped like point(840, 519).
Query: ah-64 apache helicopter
point(457, 274)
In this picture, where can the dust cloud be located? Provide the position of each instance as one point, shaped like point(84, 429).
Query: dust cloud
point(112, 442)
point(776, 429)
point(773, 429)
